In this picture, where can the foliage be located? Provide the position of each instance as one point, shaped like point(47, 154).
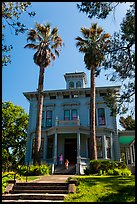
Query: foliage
point(94, 45)
point(97, 9)
point(121, 52)
point(122, 172)
point(6, 176)
point(45, 41)
point(127, 123)
point(11, 13)
point(14, 133)
point(102, 166)
point(32, 170)
point(103, 189)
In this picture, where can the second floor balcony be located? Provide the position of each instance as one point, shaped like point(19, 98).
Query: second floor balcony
point(60, 123)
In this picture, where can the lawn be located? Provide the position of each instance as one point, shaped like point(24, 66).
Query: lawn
point(103, 189)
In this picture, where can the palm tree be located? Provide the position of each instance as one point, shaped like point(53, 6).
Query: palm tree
point(94, 45)
point(47, 43)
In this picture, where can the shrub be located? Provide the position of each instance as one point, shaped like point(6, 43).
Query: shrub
point(110, 172)
point(6, 176)
point(105, 167)
point(34, 170)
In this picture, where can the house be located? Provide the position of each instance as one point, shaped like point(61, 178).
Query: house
point(65, 124)
point(127, 145)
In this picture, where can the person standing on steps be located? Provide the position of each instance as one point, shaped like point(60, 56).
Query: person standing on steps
point(61, 158)
point(66, 163)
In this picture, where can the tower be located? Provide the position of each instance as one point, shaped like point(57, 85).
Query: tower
point(75, 80)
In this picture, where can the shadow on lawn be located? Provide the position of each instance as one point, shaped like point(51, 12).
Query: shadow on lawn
point(125, 194)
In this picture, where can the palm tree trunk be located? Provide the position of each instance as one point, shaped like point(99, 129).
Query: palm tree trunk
point(93, 146)
point(37, 152)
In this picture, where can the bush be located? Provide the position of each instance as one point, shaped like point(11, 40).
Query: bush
point(6, 176)
point(106, 167)
point(34, 170)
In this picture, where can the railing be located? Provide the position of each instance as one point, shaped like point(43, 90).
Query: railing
point(82, 164)
point(68, 122)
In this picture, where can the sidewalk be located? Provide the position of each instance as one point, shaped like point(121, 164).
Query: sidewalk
point(52, 179)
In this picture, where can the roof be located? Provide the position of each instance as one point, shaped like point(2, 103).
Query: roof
point(126, 140)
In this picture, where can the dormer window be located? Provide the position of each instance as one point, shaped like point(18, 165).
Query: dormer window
point(78, 84)
point(71, 85)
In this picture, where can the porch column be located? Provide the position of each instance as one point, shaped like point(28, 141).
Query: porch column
point(104, 149)
point(131, 155)
point(127, 155)
point(111, 145)
point(78, 153)
point(134, 152)
point(78, 145)
point(86, 146)
point(55, 148)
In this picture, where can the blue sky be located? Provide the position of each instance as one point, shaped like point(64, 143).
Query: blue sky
point(22, 74)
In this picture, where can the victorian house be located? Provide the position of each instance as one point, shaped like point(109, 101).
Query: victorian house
point(65, 124)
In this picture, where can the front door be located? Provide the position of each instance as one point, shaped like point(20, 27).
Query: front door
point(71, 150)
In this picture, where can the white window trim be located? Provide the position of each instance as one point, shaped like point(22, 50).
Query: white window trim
point(105, 117)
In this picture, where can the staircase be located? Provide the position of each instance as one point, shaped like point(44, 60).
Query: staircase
point(60, 169)
point(41, 192)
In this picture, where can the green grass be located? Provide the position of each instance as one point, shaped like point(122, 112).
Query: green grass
point(103, 189)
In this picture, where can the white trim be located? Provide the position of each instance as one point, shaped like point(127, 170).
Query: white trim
point(105, 117)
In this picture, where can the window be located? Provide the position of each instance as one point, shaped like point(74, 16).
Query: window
point(74, 114)
point(49, 147)
point(49, 119)
point(66, 114)
point(108, 147)
point(74, 96)
point(65, 96)
point(71, 85)
point(52, 97)
point(99, 147)
point(78, 84)
point(102, 94)
point(87, 95)
point(101, 116)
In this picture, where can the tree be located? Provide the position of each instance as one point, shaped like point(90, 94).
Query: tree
point(127, 123)
point(14, 134)
point(94, 46)
point(11, 13)
point(47, 43)
point(122, 50)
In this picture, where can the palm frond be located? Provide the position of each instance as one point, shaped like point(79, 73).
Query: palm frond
point(32, 46)
point(57, 52)
point(53, 56)
point(54, 31)
point(99, 30)
point(85, 32)
point(33, 36)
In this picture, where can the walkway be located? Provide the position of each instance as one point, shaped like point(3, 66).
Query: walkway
point(52, 179)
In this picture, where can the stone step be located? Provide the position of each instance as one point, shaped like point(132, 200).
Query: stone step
point(40, 191)
point(40, 184)
point(62, 170)
point(31, 201)
point(18, 187)
point(36, 196)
